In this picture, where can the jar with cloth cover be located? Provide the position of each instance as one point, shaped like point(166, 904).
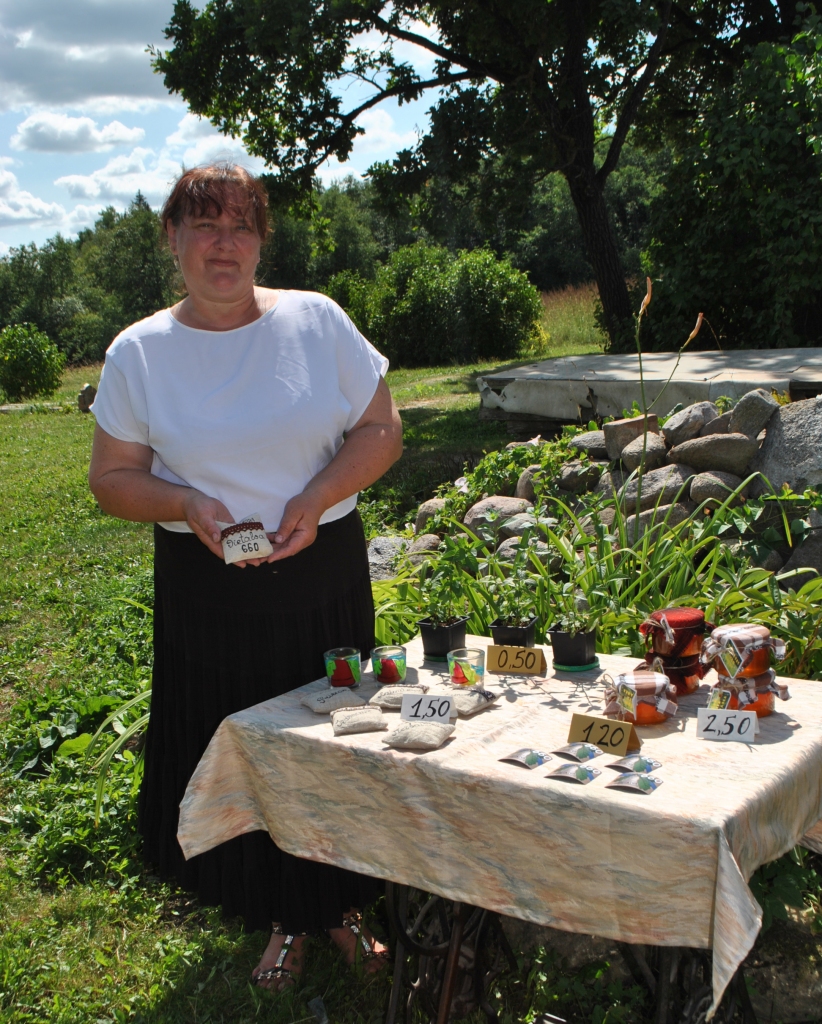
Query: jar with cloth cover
point(640, 697)
point(675, 636)
point(741, 655)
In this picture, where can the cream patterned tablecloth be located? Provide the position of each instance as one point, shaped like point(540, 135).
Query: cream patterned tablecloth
point(670, 868)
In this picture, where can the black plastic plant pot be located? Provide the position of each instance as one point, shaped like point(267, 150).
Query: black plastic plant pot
point(514, 636)
point(437, 641)
point(574, 650)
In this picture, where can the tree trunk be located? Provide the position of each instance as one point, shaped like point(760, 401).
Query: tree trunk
point(592, 211)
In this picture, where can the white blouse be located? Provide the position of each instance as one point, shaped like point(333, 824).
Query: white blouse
point(247, 416)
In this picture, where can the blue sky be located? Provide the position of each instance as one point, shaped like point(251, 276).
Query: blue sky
point(85, 123)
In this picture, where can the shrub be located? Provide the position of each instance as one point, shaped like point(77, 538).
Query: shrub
point(30, 365)
point(426, 307)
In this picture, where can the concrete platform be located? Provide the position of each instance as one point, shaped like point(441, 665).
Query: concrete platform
point(579, 388)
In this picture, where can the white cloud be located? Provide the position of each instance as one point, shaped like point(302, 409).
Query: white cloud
point(57, 133)
point(380, 132)
point(123, 177)
point(19, 208)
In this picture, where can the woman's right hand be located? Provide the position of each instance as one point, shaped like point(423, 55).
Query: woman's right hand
point(202, 514)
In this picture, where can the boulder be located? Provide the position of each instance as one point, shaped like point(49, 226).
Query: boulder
point(518, 524)
point(592, 443)
point(688, 422)
point(578, 477)
point(792, 450)
point(507, 551)
point(526, 482)
point(752, 413)
point(659, 486)
point(653, 518)
point(652, 445)
point(423, 547)
point(610, 482)
point(494, 511)
point(85, 397)
point(382, 556)
point(715, 486)
point(807, 556)
point(605, 516)
point(622, 432)
point(729, 453)
point(427, 510)
point(768, 559)
point(717, 426)
point(534, 442)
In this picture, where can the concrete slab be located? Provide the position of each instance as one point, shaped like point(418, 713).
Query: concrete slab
point(577, 388)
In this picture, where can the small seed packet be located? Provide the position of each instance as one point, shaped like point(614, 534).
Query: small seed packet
point(246, 539)
point(362, 719)
point(527, 758)
point(579, 751)
point(326, 701)
point(391, 696)
point(719, 699)
point(419, 735)
point(635, 763)
point(637, 781)
point(472, 701)
point(575, 773)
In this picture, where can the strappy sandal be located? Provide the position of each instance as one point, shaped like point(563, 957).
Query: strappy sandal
point(278, 973)
point(366, 951)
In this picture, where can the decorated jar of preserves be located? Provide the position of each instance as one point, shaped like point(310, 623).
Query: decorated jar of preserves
point(641, 697)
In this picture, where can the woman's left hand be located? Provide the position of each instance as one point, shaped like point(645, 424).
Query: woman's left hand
point(298, 526)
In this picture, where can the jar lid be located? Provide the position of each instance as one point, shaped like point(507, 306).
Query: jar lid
point(680, 618)
point(742, 632)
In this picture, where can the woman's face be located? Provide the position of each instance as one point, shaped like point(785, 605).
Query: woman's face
point(218, 255)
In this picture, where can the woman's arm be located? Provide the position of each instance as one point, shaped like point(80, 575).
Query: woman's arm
point(120, 479)
point(371, 447)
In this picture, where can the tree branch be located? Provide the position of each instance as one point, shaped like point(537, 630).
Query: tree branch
point(480, 70)
point(629, 111)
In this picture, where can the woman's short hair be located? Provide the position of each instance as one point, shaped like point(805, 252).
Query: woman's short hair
point(207, 191)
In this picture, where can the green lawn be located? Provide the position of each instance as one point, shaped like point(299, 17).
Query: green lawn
point(86, 934)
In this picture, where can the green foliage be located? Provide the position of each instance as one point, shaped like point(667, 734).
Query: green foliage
point(589, 995)
point(784, 883)
point(30, 365)
point(425, 306)
point(738, 228)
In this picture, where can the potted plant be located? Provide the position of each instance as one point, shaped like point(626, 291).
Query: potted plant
point(512, 598)
point(574, 632)
point(442, 602)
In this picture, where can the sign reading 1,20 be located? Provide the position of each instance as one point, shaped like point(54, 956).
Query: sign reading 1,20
point(615, 737)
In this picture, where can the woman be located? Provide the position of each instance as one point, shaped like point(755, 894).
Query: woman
point(235, 402)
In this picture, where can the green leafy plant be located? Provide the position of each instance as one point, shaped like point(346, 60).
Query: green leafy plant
point(30, 365)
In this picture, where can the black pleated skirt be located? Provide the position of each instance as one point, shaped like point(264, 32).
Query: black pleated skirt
point(226, 639)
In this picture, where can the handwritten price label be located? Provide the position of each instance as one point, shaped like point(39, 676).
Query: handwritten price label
point(612, 736)
point(516, 661)
point(723, 724)
point(428, 707)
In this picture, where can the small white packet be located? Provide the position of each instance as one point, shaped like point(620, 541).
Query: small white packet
point(246, 539)
point(326, 701)
point(472, 700)
point(419, 735)
point(353, 720)
point(390, 697)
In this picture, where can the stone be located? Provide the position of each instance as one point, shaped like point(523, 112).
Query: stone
point(423, 547)
point(610, 482)
point(653, 518)
point(769, 559)
point(807, 556)
point(494, 511)
point(427, 510)
point(752, 413)
point(715, 487)
point(688, 422)
point(518, 524)
point(383, 553)
point(784, 972)
point(535, 442)
point(717, 426)
point(86, 397)
point(578, 477)
point(592, 443)
point(621, 432)
point(654, 447)
point(605, 516)
point(507, 551)
point(659, 486)
point(792, 450)
point(527, 479)
point(729, 453)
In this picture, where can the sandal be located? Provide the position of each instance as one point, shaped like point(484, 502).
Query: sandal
point(278, 973)
point(366, 951)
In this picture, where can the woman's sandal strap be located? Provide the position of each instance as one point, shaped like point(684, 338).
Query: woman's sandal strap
point(354, 922)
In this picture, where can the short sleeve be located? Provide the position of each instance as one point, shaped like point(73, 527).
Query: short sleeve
point(120, 407)
point(359, 366)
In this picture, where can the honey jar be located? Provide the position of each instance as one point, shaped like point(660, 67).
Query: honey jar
point(741, 651)
point(641, 697)
point(675, 632)
point(756, 693)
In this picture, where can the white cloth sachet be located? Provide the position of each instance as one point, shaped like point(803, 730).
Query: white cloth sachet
point(351, 720)
point(471, 700)
point(246, 539)
point(326, 701)
point(391, 696)
point(419, 735)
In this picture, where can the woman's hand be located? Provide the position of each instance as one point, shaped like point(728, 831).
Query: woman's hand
point(298, 526)
point(201, 514)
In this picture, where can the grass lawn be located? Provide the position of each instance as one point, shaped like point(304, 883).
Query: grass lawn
point(86, 934)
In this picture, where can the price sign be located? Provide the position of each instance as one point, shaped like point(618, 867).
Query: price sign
point(516, 661)
point(427, 707)
point(610, 735)
point(724, 724)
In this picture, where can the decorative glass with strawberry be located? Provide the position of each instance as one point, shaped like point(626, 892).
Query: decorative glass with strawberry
point(342, 666)
point(466, 666)
point(388, 664)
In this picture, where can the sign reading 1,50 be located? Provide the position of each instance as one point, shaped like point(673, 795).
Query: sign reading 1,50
point(521, 658)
